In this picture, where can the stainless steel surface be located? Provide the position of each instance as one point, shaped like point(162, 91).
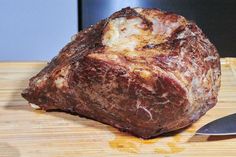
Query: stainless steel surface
point(222, 126)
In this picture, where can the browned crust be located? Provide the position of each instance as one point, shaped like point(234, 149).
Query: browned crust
point(107, 91)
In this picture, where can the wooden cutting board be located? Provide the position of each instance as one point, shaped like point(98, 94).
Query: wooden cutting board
point(25, 132)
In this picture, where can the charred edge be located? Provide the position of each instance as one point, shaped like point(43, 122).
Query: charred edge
point(130, 13)
point(176, 32)
point(168, 44)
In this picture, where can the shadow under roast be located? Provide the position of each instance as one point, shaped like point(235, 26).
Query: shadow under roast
point(14, 104)
point(92, 123)
point(79, 119)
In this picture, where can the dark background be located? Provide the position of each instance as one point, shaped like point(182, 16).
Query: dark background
point(217, 18)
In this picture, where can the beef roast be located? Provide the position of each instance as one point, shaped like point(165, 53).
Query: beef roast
point(143, 71)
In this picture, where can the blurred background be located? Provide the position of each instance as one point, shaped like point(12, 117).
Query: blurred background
point(37, 30)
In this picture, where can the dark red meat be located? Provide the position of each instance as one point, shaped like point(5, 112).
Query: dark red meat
point(143, 71)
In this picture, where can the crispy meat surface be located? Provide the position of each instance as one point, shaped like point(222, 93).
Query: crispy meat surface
point(143, 71)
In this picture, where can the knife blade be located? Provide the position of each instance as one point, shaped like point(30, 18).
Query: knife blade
point(220, 127)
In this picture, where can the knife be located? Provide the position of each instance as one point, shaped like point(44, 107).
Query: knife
point(220, 127)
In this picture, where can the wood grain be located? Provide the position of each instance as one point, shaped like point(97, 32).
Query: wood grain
point(25, 132)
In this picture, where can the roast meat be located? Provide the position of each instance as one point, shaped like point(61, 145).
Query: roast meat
point(143, 71)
